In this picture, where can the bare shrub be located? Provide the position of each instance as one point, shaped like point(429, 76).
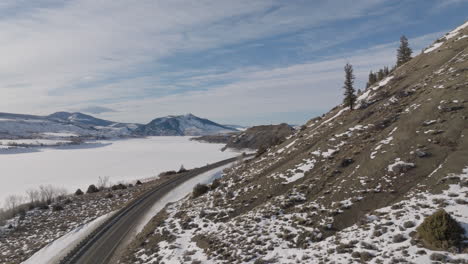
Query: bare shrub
point(33, 196)
point(49, 193)
point(103, 182)
point(12, 202)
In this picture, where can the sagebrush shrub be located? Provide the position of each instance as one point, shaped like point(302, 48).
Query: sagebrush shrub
point(441, 231)
point(199, 190)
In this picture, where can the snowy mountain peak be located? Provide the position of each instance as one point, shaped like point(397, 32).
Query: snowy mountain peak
point(182, 125)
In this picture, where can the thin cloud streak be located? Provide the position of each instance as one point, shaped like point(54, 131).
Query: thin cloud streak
point(65, 55)
point(312, 87)
point(55, 48)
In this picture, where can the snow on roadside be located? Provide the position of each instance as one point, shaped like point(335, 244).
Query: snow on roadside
point(180, 192)
point(56, 250)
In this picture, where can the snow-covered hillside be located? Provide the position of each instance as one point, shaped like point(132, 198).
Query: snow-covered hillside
point(60, 125)
point(76, 127)
point(182, 125)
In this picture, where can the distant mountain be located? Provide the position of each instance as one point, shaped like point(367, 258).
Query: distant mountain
point(182, 125)
point(30, 126)
point(61, 124)
point(79, 119)
point(66, 124)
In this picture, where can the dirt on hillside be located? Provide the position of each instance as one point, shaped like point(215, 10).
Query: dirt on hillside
point(407, 136)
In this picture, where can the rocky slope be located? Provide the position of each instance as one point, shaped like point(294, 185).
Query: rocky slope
point(255, 137)
point(352, 186)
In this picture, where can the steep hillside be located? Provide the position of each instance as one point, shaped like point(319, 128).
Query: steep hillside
point(350, 186)
point(182, 125)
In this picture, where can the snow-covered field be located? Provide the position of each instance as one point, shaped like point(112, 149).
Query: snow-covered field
point(75, 167)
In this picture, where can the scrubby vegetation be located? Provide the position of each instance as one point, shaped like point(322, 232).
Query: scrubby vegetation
point(92, 189)
point(215, 184)
point(182, 169)
point(199, 190)
point(167, 173)
point(119, 186)
point(441, 231)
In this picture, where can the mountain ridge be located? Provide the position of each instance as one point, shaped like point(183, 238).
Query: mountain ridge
point(181, 125)
point(83, 125)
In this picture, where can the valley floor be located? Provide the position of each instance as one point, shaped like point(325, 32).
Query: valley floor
point(124, 160)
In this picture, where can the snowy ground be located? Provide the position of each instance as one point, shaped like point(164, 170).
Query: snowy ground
point(385, 236)
point(75, 167)
point(181, 191)
point(56, 250)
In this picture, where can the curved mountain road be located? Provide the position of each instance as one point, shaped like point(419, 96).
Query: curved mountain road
point(109, 238)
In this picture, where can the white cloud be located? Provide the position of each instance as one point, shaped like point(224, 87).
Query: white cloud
point(441, 4)
point(51, 49)
point(62, 55)
point(313, 87)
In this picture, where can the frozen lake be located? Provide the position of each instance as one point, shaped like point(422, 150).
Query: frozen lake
point(120, 160)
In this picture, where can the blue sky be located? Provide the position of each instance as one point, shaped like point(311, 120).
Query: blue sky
point(241, 62)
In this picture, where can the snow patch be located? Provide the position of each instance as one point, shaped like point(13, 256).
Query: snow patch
point(57, 249)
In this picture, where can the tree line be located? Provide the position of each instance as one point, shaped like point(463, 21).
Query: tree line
point(403, 55)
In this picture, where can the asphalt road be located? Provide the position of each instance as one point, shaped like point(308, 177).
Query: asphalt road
point(103, 246)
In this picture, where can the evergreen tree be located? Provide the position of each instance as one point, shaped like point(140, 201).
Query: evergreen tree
point(386, 71)
point(380, 75)
point(404, 51)
point(350, 96)
point(372, 79)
